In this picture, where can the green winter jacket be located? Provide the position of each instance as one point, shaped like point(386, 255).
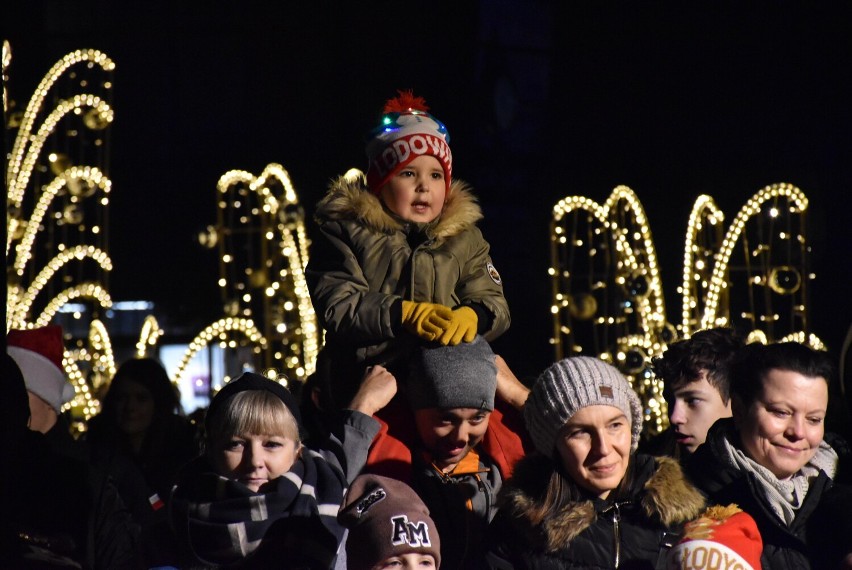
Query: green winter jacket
point(367, 260)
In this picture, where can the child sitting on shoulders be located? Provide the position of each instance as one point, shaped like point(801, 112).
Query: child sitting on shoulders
point(399, 260)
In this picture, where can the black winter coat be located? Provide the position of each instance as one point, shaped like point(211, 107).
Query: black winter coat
point(638, 529)
point(56, 510)
point(813, 540)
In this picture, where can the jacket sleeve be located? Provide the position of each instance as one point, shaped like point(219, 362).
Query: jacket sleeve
point(349, 442)
point(481, 284)
point(340, 292)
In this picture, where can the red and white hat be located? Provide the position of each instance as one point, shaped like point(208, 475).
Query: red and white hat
point(406, 132)
point(722, 537)
point(38, 353)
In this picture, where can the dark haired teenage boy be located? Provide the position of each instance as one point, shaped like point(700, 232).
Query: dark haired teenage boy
point(695, 372)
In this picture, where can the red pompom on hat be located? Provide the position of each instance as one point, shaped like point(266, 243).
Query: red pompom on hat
point(406, 131)
point(722, 537)
point(38, 353)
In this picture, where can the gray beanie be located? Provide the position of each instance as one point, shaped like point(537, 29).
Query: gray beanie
point(570, 385)
point(460, 376)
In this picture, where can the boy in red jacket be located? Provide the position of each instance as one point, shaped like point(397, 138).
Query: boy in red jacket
point(458, 449)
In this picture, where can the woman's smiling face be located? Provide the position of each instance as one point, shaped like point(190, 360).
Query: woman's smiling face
point(594, 446)
point(784, 426)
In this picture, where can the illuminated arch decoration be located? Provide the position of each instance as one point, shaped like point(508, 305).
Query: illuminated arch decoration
point(57, 197)
point(148, 337)
point(771, 262)
point(703, 239)
point(607, 294)
point(219, 332)
point(263, 250)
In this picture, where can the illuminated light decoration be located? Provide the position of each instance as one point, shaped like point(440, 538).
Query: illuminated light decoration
point(101, 357)
point(605, 252)
point(148, 336)
point(602, 257)
point(18, 185)
point(22, 305)
point(24, 248)
point(49, 210)
point(785, 280)
point(215, 331)
point(263, 252)
point(751, 209)
point(809, 339)
point(704, 213)
point(20, 169)
point(91, 291)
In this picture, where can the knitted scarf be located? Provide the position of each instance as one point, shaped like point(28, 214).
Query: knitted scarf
point(787, 495)
point(222, 522)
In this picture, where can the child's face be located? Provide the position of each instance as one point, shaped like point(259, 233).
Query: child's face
point(449, 434)
point(416, 193)
point(697, 405)
point(253, 459)
point(410, 561)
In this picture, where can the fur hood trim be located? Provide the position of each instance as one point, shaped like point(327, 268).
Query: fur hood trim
point(349, 199)
point(666, 496)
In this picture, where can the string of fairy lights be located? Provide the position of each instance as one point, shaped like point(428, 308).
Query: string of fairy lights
point(607, 293)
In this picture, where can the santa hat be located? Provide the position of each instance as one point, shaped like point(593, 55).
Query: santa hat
point(385, 518)
point(722, 537)
point(405, 132)
point(38, 353)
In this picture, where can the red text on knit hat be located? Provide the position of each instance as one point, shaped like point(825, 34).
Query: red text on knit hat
point(708, 556)
point(408, 148)
point(412, 534)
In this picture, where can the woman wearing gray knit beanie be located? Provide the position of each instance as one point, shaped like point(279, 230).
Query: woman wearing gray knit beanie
point(586, 499)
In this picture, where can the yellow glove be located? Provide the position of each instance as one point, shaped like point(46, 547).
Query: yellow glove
point(462, 327)
point(426, 320)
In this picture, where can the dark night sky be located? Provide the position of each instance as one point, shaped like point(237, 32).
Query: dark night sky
point(542, 99)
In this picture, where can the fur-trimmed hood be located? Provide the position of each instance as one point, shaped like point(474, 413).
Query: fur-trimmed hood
point(661, 489)
point(350, 199)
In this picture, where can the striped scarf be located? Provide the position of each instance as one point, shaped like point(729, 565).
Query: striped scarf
point(221, 522)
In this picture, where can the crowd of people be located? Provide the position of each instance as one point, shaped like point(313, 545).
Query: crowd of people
point(413, 445)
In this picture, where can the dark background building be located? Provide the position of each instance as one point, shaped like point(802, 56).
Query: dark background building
point(542, 99)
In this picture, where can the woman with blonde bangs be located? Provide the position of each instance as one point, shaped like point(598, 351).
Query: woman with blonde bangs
point(257, 497)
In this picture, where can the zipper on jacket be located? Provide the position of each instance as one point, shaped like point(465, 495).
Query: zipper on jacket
point(616, 531)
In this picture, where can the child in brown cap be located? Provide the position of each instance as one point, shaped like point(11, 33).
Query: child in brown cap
point(389, 526)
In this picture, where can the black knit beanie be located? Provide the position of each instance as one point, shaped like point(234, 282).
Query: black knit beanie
point(251, 381)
